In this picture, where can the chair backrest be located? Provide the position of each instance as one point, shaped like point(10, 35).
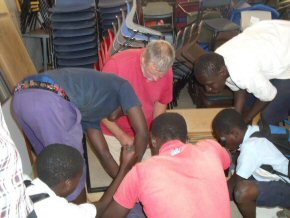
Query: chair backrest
point(185, 35)
point(214, 3)
point(249, 18)
point(136, 27)
point(178, 38)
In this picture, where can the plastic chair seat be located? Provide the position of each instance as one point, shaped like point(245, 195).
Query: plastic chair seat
point(157, 10)
point(221, 25)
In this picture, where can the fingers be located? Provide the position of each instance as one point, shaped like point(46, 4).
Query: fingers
point(129, 148)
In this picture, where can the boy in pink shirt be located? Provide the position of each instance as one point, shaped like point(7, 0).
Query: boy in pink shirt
point(181, 180)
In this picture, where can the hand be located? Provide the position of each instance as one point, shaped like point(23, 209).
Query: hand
point(246, 117)
point(128, 157)
point(126, 140)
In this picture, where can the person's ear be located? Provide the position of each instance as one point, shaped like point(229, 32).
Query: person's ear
point(68, 185)
point(223, 72)
point(153, 142)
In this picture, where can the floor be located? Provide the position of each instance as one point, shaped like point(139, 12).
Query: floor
point(184, 101)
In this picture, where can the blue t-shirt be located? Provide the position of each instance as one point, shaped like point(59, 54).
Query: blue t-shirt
point(95, 94)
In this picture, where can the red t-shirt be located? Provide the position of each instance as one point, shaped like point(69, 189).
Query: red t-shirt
point(184, 180)
point(127, 64)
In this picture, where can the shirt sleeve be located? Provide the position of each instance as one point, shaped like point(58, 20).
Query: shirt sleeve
point(128, 97)
point(248, 160)
point(127, 193)
point(223, 154)
point(250, 77)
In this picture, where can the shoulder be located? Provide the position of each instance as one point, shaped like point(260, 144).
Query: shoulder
point(207, 143)
point(254, 144)
point(128, 54)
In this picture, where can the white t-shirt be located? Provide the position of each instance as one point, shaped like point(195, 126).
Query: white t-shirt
point(259, 54)
point(55, 206)
point(255, 152)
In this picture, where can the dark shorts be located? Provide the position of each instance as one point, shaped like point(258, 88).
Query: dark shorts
point(278, 109)
point(274, 193)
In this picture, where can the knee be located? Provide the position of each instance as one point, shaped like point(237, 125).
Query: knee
point(245, 191)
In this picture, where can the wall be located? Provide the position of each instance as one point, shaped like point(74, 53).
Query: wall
point(33, 46)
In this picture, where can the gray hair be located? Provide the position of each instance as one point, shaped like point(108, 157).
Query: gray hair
point(161, 53)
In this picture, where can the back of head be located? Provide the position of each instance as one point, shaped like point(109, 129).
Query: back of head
point(169, 126)
point(226, 120)
point(161, 53)
point(57, 163)
point(208, 65)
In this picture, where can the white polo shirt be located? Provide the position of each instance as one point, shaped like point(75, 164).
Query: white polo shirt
point(55, 206)
point(255, 152)
point(257, 55)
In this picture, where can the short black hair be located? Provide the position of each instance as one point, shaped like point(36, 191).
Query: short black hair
point(169, 126)
point(57, 163)
point(208, 64)
point(226, 120)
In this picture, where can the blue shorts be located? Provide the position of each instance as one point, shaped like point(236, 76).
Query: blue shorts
point(274, 193)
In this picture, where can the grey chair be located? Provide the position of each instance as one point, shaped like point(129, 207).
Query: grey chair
point(216, 25)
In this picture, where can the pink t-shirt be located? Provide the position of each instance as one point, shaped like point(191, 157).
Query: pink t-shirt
point(184, 180)
point(126, 64)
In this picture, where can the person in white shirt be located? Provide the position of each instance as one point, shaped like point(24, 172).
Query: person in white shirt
point(59, 169)
point(250, 185)
point(14, 203)
point(256, 66)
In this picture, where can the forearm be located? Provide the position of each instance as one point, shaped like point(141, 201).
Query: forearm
point(101, 149)
point(254, 110)
point(103, 203)
point(140, 143)
point(239, 100)
point(139, 124)
point(122, 136)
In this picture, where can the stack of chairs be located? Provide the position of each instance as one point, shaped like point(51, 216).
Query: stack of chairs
point(183, 65)
point(74, 33)
point(104, 50)
point(107, 11)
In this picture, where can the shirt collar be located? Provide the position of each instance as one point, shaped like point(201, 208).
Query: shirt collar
point(43, 187)
point(172, 148)
point(250, 130)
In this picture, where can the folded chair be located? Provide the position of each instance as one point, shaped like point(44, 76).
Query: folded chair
point(136, 27)
point(120, 42)
point(134, 31)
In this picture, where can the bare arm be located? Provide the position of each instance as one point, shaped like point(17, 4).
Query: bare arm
point(139, 124)
point(239, 100)
point(122, 137)
point(254, 110)
point(115, 210)
point(128, 159)
point(159, 108)
point(101, 149)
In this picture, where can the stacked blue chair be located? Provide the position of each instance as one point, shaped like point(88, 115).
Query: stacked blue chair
point(107, 11)
point(74, 33)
